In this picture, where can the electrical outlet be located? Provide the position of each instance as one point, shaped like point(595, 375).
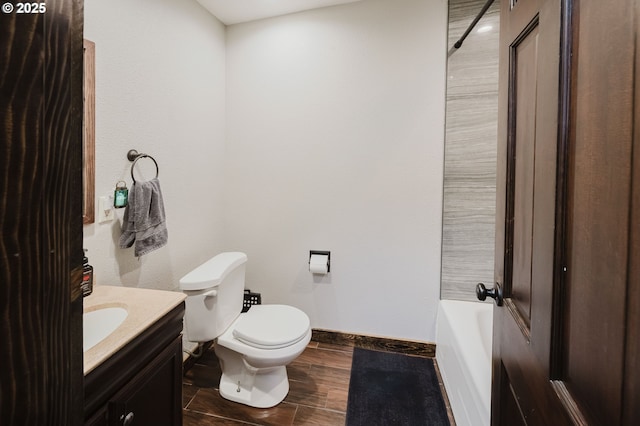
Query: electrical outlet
point(105, 209)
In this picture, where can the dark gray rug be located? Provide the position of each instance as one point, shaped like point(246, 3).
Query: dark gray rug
point(393, 389)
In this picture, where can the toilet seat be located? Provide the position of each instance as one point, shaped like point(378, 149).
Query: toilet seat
point(271, 326)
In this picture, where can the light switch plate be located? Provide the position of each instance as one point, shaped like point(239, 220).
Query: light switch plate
point(105, 209)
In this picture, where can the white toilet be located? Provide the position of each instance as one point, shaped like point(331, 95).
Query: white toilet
point(253, 347)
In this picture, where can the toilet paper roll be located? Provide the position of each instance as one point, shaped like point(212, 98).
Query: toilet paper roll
point(319, 264)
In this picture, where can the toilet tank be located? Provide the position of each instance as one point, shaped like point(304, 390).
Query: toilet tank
point(215, 291)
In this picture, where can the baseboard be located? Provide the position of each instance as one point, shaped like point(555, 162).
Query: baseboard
point(407, 347)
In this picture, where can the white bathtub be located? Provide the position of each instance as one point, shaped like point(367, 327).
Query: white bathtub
point(463, 352)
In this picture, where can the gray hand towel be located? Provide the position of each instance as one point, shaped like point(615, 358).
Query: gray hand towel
point(144, 221)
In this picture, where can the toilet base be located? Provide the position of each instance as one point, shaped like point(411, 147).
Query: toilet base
point(267, 390)
point(245, 384)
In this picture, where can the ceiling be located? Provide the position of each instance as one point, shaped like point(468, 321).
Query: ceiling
point(235, 11)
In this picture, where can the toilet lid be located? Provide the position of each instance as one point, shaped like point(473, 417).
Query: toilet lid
point(271, 326)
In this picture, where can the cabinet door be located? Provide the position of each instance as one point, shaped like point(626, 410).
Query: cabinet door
point(98, 419)
point(154, 395)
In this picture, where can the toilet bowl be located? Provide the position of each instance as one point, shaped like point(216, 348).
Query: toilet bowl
point(253, 347)
point(254, 351)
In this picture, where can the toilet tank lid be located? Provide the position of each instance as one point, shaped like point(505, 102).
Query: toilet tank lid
point(213, 271)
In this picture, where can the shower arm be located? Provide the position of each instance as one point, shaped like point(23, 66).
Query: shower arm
point(486, 6)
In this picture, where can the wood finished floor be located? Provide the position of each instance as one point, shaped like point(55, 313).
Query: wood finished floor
point(318, 388)
point(319, 385)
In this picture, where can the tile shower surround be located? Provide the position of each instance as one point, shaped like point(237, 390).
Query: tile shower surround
point(470, 152)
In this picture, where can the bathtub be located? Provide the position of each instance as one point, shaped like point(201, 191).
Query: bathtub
point(463, 353)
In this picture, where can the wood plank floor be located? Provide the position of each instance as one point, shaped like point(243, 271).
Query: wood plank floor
point(319, 385)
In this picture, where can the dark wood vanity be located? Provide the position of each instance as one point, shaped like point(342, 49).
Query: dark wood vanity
point(140, 384)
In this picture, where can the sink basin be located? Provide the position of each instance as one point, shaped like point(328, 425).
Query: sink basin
point(98, 324)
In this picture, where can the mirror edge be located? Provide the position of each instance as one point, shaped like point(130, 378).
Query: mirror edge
point(88, 136)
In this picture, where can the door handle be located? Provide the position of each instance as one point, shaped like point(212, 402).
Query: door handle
point(128, 419)
point(495, 293)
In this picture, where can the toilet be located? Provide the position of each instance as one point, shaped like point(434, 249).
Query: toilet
point(253, 347)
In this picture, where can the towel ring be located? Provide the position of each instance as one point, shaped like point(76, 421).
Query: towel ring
point(134, 156)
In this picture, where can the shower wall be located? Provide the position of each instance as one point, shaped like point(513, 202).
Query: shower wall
point(470, 151)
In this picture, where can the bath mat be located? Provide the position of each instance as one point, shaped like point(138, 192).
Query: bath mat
point(394, 389)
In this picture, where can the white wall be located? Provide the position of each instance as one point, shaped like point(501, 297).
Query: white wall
point(335, 129)
point(333, 140)
point(160, 71)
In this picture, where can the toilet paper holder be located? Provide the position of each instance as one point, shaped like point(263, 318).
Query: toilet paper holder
point(322, 252)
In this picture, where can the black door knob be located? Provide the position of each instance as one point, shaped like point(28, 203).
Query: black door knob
point(495, 293)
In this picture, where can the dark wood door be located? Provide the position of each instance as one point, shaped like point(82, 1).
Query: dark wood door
point(597, 347)
point(41, 213)
point(528, 139)
point(565, 338)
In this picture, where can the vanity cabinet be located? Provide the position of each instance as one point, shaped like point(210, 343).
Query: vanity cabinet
point(141, 384)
